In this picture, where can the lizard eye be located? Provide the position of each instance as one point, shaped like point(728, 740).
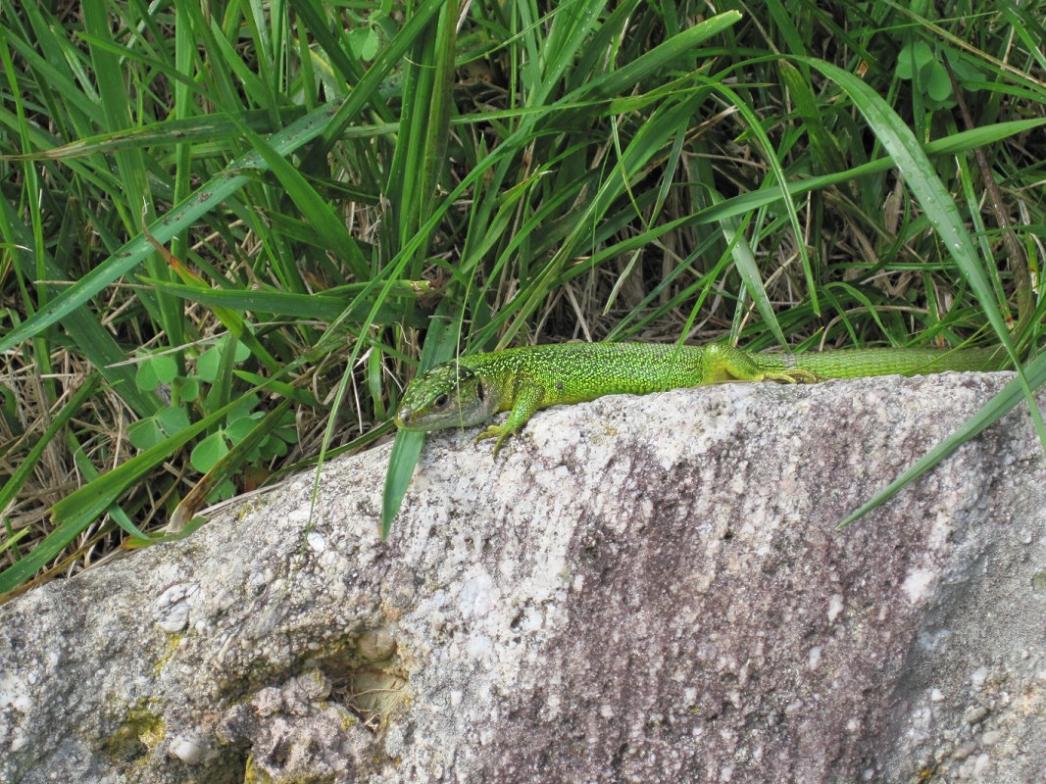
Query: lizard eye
point(442, 400)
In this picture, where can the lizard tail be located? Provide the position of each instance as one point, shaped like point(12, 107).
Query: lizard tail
point(852, 363)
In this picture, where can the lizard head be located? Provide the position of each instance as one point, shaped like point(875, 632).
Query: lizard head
point(449, 395)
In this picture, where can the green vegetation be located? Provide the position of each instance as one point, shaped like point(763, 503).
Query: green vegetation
point(230, 231)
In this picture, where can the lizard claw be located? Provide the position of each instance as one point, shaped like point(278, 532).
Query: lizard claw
point(498, 432)
point(490, 431)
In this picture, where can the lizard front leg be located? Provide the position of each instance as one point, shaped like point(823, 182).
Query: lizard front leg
point(527, 400)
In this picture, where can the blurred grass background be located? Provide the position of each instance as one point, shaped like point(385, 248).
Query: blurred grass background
point(229, 230)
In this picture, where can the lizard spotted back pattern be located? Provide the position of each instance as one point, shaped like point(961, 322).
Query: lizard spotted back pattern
point(472, 389)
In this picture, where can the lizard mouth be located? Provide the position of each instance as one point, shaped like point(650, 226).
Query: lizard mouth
point(407, 420)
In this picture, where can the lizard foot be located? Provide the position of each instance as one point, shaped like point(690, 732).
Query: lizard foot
point(795, 376)
point(498, 432)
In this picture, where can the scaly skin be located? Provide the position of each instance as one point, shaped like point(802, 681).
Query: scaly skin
point(470, 390)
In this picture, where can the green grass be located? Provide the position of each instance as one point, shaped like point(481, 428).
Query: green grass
point(347, 192)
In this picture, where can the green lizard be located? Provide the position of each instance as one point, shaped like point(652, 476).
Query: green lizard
point(472, 389)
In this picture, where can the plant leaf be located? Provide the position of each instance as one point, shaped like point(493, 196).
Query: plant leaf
point(935, 201)
point(134, 252)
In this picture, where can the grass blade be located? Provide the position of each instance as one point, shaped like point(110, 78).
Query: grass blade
point(314, 208)
point(96, 344)
point(79, 509)
point(388, 59)
point(440, 344)
point(748, 269)
point(322, 307)
point(938, 205)
point(403, 458)
point(27, 463)
point(136, 250)
point(209, 128)
point(233, 459)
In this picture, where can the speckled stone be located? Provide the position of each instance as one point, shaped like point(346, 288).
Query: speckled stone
point(639, 589)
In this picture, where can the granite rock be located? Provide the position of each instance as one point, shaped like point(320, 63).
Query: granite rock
point(638, 589)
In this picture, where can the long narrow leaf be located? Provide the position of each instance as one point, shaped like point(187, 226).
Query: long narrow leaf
point(748, 269)
point(440, 345)
point(935, 200)
point(388, 59)
point(320, 215)
point(403, 458)
point(746, 202)
point(209, 127)
point(78, 510)
point(224, 468)
point(134, 252)
point(82, 325)
point(28, 463)
point(322, 307)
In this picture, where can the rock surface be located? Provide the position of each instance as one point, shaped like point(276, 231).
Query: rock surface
point(638, 590)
